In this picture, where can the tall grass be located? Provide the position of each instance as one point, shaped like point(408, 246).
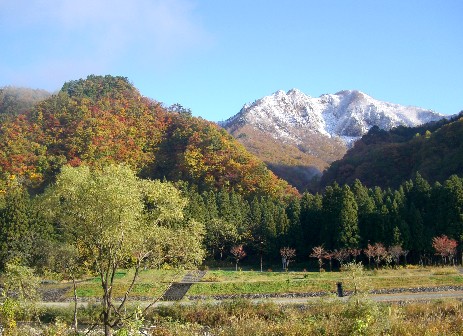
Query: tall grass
point(242, 317)
point(355, 317)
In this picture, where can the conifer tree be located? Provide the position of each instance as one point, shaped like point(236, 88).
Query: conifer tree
point(241, 213)
point(366, 211)
point(348, 232)
point(311, 214)
point(453, 195)
point(210, 201)
point(332, 203)
point(417, 234)
point(16, 231)
point(195, 209)
point(293, 212)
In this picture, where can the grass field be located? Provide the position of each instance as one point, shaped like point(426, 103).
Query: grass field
point(249, 282)
point(152, 283)
point(240, 317)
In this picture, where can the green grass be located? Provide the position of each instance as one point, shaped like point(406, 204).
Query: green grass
point(250, 282)
point(152, 283)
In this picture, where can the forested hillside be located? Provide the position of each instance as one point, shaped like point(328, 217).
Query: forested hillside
point(104, 120)
point(387, 158)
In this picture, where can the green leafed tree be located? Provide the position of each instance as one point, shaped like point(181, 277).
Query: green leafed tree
point(115, 220)
point(22, 233)
point(14, 224)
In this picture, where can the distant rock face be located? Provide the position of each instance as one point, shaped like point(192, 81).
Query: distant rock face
point(315, 131)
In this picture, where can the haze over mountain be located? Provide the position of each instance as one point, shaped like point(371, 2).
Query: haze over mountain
point(298, 136)
point(17, 100)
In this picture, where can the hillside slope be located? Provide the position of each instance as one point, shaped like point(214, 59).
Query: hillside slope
point(386, 159)
point(101, 120)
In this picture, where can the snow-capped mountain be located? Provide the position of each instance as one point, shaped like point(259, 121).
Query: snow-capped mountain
point(298, 136)
point(347, 114)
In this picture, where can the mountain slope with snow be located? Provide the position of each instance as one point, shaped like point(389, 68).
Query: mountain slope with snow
point(288, 129)
point(346, 114)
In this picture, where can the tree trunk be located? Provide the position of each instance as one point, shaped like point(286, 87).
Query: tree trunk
point(75, 304)
point(221, 253)
point(106, 310)
point(107, 330)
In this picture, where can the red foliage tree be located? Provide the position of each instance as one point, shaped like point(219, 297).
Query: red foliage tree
point(239, 253)
point(319, 253)
point(396, 252)
point(341, 255)
point(445, 247)
point(377, 251)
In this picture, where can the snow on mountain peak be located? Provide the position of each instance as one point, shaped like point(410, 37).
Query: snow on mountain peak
point(347, 114)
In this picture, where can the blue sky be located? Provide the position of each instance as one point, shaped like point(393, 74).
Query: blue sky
point(214, 56)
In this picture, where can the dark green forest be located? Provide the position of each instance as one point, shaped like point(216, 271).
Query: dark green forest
point(342, 217)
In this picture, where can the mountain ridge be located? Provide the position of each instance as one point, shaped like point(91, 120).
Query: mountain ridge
point(315, 131)
point(330, 114)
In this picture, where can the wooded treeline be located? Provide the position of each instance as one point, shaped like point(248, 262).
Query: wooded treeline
point(105, 120)
point(341, 217)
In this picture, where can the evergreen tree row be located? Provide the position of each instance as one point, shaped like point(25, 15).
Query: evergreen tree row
point(342, 217)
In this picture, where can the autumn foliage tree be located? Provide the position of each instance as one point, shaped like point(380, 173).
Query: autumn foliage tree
point(319, 253)
point(445, 247)
point(396, 251)
point(105, 120)
point(341, 255)
point(287, 254)
point(238, 253)
point(377, 252)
